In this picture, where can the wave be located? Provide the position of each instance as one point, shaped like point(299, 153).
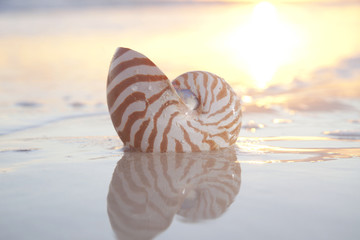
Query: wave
point(42, 123)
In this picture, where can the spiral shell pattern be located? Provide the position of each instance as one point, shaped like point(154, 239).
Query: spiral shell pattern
point(150, 116)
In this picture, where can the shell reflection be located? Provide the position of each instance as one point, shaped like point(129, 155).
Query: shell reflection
point(148, 190)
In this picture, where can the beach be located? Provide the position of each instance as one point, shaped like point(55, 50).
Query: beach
point(293, 173)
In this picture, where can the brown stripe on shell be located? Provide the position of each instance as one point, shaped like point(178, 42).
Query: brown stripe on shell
point(140, 134)
point(127, 64)
point(119, 52)
point(212, 144)
point(117, 115)
point(186, 83)
point(215, 123)
point(205, 83)
point(164, 142)
point(212, 88)
point(235, 133)
point(229, 125)
point(130, 122)
point(154, 130)
point(178, 146)
point(194, 147)
point(124, 84)
point(224, 135)
point(176, 83)
point(223, 109)
point(222, 93)
point(155, 97)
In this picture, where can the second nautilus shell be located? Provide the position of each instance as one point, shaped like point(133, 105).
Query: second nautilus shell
point(198, 111)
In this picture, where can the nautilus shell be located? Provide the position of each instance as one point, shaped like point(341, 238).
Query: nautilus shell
point(198, 111)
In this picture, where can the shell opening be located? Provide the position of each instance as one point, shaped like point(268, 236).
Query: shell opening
point(188, 97)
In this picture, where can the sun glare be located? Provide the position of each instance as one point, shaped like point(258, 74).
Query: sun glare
point(264, 43)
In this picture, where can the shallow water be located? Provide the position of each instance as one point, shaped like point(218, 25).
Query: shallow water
point(56, 186)
point(293, 174)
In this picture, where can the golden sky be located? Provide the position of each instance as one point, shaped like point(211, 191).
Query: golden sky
point(286, 1)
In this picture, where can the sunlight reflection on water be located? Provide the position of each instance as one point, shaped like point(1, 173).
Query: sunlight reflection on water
point(253, 150)
point(148, 190)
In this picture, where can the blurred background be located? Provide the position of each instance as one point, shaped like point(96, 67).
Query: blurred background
point(295, 64)
point(298, 56)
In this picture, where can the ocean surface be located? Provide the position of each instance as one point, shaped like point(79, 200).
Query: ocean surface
point(294, 172)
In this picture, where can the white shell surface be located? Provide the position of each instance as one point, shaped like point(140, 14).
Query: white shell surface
point(198, 111)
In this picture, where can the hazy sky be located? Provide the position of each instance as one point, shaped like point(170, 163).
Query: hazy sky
point(246, 1)
point(29, 4)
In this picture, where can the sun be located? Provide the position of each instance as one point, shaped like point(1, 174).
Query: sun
point(263, 43)
point(264, 10)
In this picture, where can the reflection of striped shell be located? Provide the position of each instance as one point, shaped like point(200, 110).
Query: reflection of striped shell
point(148, 190)
point(150, 116)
